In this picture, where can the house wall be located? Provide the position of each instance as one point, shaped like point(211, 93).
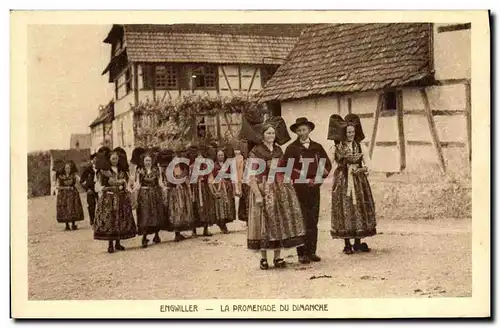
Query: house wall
point(123, 132)
point(96, 135)
point(451, 129)
point(452, 53)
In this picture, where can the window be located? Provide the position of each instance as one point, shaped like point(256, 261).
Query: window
point(204, 77)
point(123, 84)
point(165, 76)
point(390, 101)
point(266, 73)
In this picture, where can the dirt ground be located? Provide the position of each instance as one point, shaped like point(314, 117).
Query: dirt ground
point(410, 258)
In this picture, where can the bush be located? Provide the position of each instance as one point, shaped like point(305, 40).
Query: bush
point(38, 174)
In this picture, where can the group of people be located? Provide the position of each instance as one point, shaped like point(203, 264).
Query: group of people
point(281, 209)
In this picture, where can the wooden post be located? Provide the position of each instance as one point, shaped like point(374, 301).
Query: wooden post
point(339, 110)
point(432, 128)
point(468, 116)
point(136, 84)
point(227, 81)
point(349, 105)
point(401, 131)
point(239, 77)
point(217, 118)
point(251, 81)
point(194, 126)
point(375, 122)
point(153, 83)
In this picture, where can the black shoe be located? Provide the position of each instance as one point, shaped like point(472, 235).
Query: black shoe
point(156, 239)
point(111, 249)
point(119, 247)
point(348, 250)
point(179, 237)
point(263, 264)
point(145, 242)
point(279, 263)
point(314, 258)
point(362, 247)
point(67, 228)
point(74, 227)
point(304, 260)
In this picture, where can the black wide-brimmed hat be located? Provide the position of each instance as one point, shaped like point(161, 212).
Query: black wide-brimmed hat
point(354, 120)
point(164, 157)
point(336, 128)
point(137, 155)
point(301, 121)
point(104, 150)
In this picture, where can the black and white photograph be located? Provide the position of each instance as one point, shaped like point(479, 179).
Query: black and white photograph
point(265, 169)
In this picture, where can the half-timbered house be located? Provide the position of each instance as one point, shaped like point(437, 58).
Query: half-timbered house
point(101, 129)
point(409, 83)
point(156, 61)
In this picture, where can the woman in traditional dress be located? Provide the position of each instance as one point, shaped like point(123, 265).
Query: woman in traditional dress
point(203, 198)
point(150, 208)
point(69, 205)
point(353, 208)
point(114, 219)
point(223, 190)
point(179, 200)
point(275, 220)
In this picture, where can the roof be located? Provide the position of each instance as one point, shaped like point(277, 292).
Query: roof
point(207, 43)
point(338, 58)
point(106, 115)
point(81, 141)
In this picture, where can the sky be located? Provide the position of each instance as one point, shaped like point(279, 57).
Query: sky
point(65, 85)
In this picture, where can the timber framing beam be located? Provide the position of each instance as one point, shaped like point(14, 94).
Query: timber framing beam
point(380, 103)
point(226, 79)
point(433, 131)
point(401, 131)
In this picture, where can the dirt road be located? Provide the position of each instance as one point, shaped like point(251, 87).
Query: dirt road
point(410, 258)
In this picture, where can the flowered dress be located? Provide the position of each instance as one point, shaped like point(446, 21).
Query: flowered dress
point(225, 206)
point(204, 202)
point(150, 207)
point(179, 202)
point(278, 221)
point(68, 203)
point(353, 208)
point(114, 219)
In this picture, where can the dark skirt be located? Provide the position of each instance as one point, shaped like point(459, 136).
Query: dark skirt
point(278, 221)
point(225, 207)
point(69, 205)
point(150, 210)
point(244, 204)
point(114, 219)
point(204, 205)
point(352, 219)
point(179, 208)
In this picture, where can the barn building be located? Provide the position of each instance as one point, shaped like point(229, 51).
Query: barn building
point(408, 82)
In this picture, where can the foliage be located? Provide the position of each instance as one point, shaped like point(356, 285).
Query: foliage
point(171, 122)
point(38, 174)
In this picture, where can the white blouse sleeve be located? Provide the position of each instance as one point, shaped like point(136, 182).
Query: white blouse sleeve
point(98, 185)
point(366, 157)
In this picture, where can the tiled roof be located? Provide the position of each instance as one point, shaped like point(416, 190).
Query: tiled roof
point(331, 58)
point(106, 115)
point(209, 43)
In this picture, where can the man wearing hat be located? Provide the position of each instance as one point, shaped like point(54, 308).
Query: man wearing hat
point(89, 177)
point(307, 155)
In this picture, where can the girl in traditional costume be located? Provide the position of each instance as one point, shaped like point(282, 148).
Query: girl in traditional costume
point(150, 206)
point(69, 205)
point(203, 198)
point(353, 208)
point(179, 200)
point(114, 219)
point(275, 220)
point(223, 193)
